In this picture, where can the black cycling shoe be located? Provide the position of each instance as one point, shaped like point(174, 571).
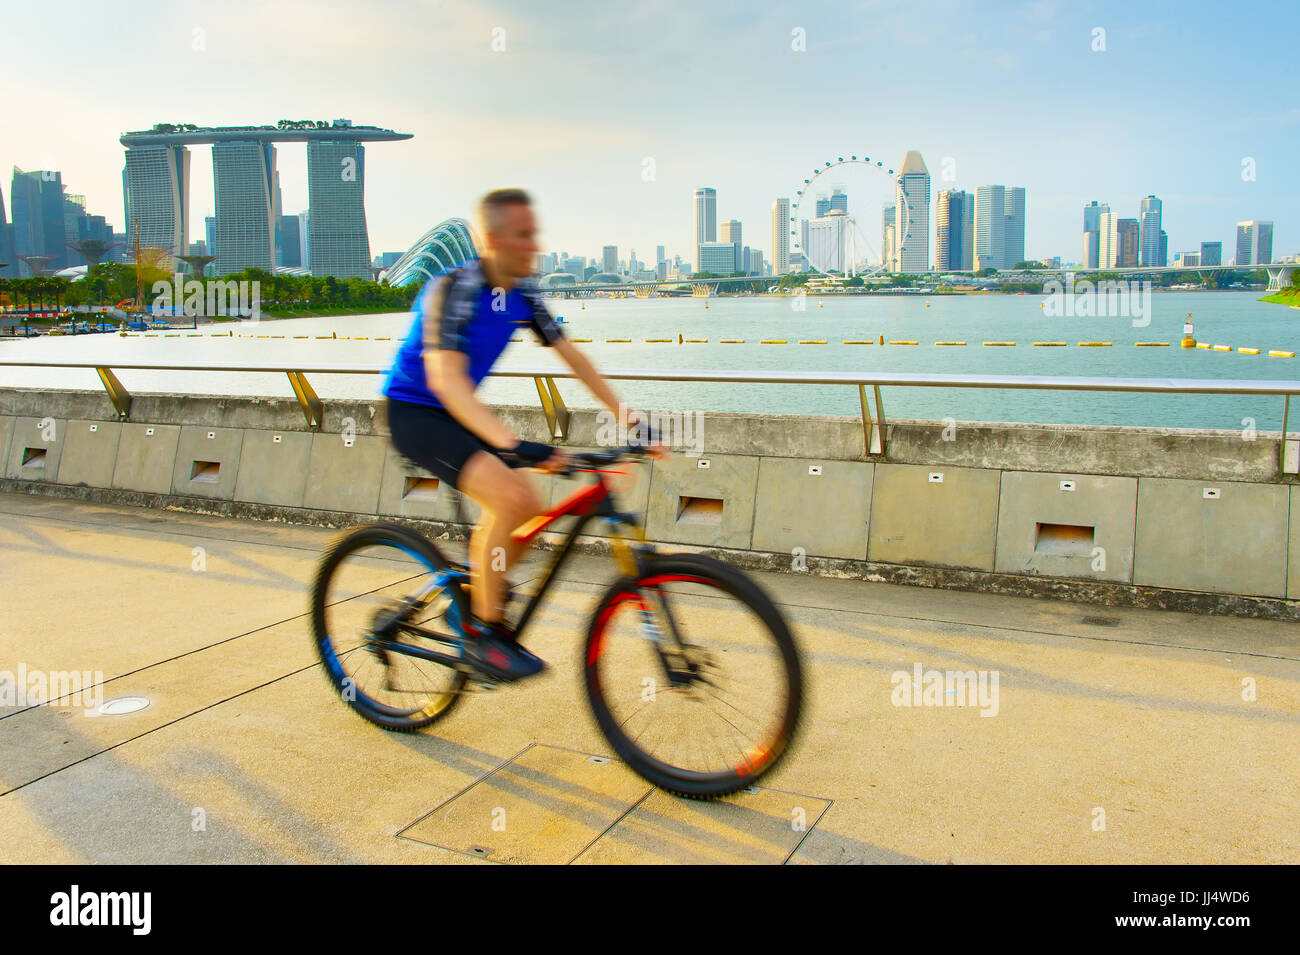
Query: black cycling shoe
point(493, 651)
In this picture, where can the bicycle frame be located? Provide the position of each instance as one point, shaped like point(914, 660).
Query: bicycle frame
point(588, 502)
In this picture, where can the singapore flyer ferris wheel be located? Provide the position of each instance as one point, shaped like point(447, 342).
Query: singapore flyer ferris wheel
point(844, 247)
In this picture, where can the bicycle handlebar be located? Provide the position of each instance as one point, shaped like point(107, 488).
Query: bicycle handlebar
point(598, 458)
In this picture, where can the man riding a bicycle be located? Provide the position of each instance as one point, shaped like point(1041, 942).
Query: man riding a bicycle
point(463, 320)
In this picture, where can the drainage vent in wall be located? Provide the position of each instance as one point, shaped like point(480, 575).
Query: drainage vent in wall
point(699, 510)
point(420, 489)
point(1064, 540)
point(205, 472)
point(1101, 621)
point(33, 457)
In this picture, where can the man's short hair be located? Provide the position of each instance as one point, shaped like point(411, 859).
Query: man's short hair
point(491, 209)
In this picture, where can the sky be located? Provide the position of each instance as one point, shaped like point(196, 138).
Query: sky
point(612, 113)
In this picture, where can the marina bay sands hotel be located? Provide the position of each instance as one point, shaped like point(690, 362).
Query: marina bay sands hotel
point(156, 180)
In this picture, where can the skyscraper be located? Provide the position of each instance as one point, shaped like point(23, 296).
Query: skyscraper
point(76, 227)
point(1211, 253)
point(243, 181)
point(827, 242)
point(706, 219)
point(1105, 239)
point(1015, 227)
point(1149, 232)
point(1254, 242)
point(290, 243)
point(912, 223)
point(730, 232)
point(1092, 214)
point(304, 237)
point(1128, 243)
point(780, 236)
point(1119, 242)
point(609, 259)
point(156, 184)
point(38, 226)
point(954, 227)
point(717, 257)
point(839, 201)
point(888, 242)
point(990, 227)
point(8, 263)
point(336, 178)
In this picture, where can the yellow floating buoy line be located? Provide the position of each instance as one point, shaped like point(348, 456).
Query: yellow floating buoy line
point(1186, 342)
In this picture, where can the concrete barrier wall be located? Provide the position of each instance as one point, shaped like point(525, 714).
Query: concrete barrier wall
point(1203, 512)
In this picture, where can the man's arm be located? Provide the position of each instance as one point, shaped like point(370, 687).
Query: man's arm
point(588, 375)
point(448, 376)
point(447, 308)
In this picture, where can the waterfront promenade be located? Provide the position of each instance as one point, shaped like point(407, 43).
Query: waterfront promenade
point(1120, 735)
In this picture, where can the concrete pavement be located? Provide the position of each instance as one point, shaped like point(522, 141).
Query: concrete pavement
point(1120, 735)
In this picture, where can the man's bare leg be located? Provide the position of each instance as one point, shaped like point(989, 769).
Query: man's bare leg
point(507, 498)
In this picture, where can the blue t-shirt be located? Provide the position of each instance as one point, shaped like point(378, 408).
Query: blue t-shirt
point(457, 310)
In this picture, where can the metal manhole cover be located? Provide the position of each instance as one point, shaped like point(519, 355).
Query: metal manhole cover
point(554, 806)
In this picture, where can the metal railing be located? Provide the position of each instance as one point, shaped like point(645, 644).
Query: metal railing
point(874, 428)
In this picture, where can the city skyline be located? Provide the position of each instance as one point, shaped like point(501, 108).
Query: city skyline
point(1104, 145)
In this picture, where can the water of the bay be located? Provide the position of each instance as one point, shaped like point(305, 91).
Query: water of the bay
point(1230, 318)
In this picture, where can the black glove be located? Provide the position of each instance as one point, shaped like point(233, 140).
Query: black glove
point(529, 452)
point(642, 434)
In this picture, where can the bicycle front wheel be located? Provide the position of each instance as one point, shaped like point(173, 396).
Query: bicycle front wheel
point(693, 676)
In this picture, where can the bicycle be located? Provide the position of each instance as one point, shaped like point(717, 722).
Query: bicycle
point(404, 610)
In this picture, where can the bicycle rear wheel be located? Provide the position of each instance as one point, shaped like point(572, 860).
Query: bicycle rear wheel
point(693, 676)
point(367, 585)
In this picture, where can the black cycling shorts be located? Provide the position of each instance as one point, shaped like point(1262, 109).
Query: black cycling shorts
point(431, 438)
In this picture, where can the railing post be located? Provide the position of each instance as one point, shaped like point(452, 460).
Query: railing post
point(881, 431)
point(117, 394)
point(557, 415)
point(1290, 449)
point(312, 408)
point(866, 420)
